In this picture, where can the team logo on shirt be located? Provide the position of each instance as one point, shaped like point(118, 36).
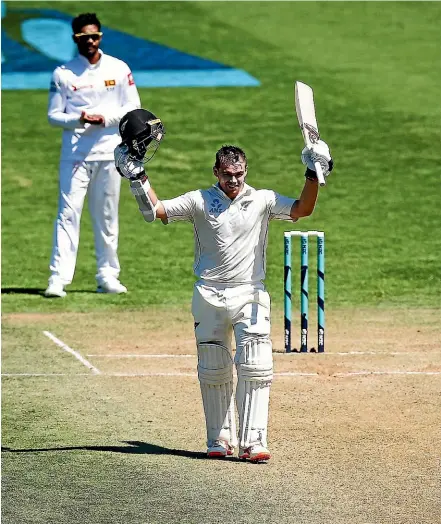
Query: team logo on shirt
point(110, 84)
point(244, 205)
point(216, 206)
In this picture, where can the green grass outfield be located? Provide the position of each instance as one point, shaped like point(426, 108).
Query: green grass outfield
point(373, 69)
point(112, 449)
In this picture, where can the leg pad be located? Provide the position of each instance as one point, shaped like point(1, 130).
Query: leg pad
point(254, 363)
point(215, 372)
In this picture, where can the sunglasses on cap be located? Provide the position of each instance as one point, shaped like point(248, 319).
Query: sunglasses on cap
point(86, 36)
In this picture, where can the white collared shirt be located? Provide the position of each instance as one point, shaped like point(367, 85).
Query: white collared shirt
point(105, 88)
point(230, 235)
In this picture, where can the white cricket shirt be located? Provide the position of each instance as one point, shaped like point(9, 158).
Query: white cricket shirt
point(230, 235)
point(106, 88)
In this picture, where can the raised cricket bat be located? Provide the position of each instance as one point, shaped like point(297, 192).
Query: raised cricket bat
point(305, 109)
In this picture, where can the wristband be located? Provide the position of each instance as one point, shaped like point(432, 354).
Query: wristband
point(311, 174)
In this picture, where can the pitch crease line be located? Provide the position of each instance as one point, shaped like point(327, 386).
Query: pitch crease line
point(65, 347)
point(100, 373)
point(295, 374)
point(144, 355)
point(378, 353)
point(45, 374)
point(194, 375)
point(365, 373)
point(329, 353)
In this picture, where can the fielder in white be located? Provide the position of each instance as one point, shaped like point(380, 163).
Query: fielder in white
point(88, 96)
point(230, 222)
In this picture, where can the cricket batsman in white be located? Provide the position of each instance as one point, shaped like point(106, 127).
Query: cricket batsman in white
point(230, 222)
point(87, 98)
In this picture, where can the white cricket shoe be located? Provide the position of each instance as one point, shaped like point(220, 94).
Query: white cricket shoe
point(220, 448)
point(255, 453)
point(111, 285)
point(55, 288)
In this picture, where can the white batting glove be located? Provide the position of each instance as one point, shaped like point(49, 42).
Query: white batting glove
point(127, 166)
point(319, 152)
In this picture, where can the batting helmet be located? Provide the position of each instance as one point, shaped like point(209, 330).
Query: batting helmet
point(142, 132)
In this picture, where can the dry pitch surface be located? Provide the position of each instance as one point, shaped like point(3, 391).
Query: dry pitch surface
point(355, 432)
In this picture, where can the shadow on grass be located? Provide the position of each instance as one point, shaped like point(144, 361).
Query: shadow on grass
point(22, 291)
point(134, 446)
point(36, 291)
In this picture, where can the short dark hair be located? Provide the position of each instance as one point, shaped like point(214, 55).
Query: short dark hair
point(230, 155)
point(85, 19)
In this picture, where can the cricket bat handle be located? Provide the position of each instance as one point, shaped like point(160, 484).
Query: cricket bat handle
point(319, 172)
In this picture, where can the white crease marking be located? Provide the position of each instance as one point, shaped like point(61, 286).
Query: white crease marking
point(143, 355)
point(64, 346)
point(194, 375)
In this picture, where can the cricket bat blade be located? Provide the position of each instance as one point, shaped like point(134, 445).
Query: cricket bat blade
point(305, 109)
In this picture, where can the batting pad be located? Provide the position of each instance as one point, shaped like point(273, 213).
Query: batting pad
point(254, 365)
point(215, 372)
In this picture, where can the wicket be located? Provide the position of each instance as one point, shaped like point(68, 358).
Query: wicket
point(304, 299)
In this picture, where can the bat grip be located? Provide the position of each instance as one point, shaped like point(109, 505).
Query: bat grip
point(319, 172)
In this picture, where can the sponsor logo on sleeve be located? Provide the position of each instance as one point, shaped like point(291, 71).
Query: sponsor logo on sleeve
point(130, 79)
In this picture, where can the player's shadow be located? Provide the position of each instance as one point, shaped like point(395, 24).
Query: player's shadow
point(22, 291)
point(35, 291)
point(134, 447)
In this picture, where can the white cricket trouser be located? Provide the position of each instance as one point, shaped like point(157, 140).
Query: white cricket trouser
point(220, 310)
point(102, 182)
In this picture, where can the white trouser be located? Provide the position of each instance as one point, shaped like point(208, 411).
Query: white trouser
point(102, 183)
point(219, 311)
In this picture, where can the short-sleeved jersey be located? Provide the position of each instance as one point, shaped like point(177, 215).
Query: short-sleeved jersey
point(230, 235)
point(106, 88)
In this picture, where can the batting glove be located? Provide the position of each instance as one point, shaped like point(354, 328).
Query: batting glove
point(127, 166)
point(319, 152)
